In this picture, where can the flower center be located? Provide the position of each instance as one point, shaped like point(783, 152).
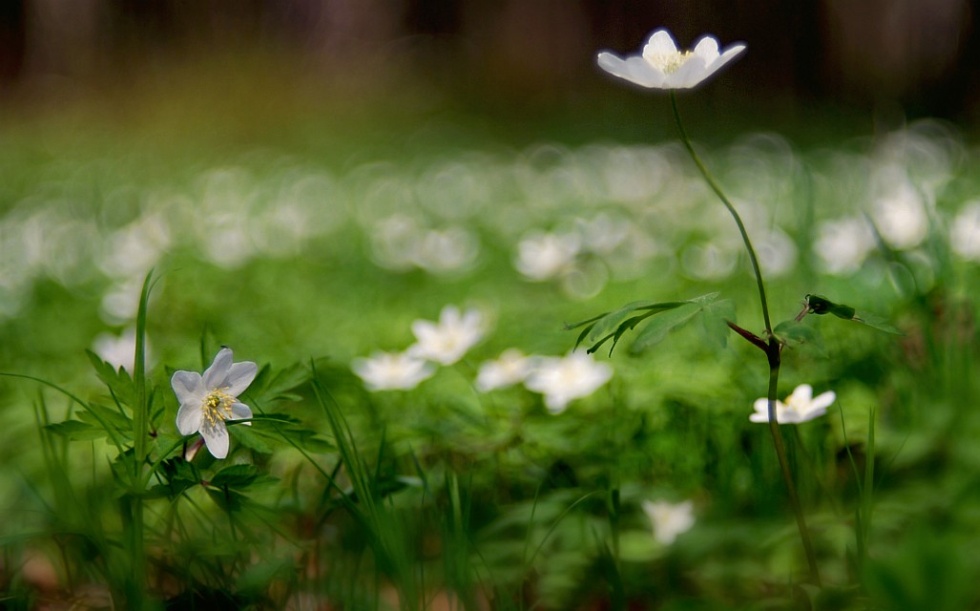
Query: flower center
point(217, 406)
point(669, 62)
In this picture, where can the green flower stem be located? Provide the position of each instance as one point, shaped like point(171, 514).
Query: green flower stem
point(771, 347)
point(731, 209)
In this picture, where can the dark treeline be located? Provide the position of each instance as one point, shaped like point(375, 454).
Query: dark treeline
point(921, 53)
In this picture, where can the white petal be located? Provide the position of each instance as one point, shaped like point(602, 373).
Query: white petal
point(692, 72)
point(216, 374)
point(240, 411)
point(802, 394)
point(660, 43)
point(188, 386)
point(823, 400)
point(190, 417)
point(239, 377)
point(730, 53)
point(707, 48)
point(216, 438)
point(757, 417)
point(644, 74)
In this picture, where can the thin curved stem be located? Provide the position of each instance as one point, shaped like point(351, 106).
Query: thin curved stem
point(731, 209)
point(771, 347)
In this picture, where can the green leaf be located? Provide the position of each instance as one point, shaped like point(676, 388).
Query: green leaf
point(77, 430)
point(657, 329)
point(612, 321)
point(119, 383)
point(715, 321)
point(877, 322)
point(236, 477)
point(105, 417)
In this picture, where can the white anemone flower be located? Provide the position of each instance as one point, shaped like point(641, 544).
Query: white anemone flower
point(801, 406)
point(392, 371)
point(448, 340)
point(207, 401)
point(562, 379)
point(543, 256)
point(511, 368)
point(663, 66)
point(669, 520)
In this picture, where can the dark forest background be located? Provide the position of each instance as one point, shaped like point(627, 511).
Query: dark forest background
point(921, 54)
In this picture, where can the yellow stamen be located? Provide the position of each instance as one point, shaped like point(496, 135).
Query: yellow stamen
point(217, 406)
point(670, 62)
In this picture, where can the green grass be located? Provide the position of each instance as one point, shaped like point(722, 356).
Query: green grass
point(441, 495)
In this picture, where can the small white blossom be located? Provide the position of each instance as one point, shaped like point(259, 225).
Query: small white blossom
point(901, 217)
point(562, 379)
point(207, 401)
point(843, 244)
point(964, 234)
point(801, 406)
point(543, 256)
point(448, 340)
point(669, 520)
point(662, 66)
point(511, 368)
point(392, 371)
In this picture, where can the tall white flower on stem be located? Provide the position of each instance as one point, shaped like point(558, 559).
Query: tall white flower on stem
point(562, 379)
point(448, 340)
point(662, 66)
point(392, 371)
point(207, 401)
point(801, 406)
point(669, 520)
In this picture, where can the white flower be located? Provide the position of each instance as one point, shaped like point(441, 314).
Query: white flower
point(562, 379)
point(669, 520)
point(511, 368)
point(801, 406)
point(543, 256)
point(964, 235)
point(842, 245)
point(118, 350)
point(392, 371)
point(207, 401)
point(662, 66)
point(448, 340)
point(901, 217)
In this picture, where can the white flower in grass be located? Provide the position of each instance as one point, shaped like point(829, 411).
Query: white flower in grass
point(543, 256)
point(207, 401)
point(448, 340)
point(663, 66)
point(669, 520)
point(511, 368)
point(392, 371)
point(801, 406)
point(562, 379)
point(964, 234)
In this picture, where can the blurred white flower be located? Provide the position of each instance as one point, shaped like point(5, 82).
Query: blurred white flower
point(964, 235)
point(448, 340)
point(119, 350)
point(901, 217)
point(777, 253)
point(392, 371)
point(562, 379)
point(801, 406)
point(842, 245)
point(443, 251)
point(511, 368)
point(669, 520)
point(543, 256)
point(207, 401)
point(137, 247)
point(662, 66)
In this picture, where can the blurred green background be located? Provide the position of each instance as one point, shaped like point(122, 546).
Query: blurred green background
point(309, 177)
